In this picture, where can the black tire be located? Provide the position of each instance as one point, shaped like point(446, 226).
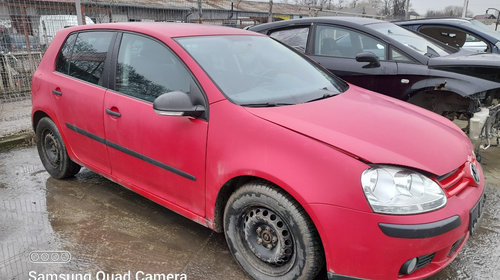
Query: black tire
point(52, 151)
point(270, 235)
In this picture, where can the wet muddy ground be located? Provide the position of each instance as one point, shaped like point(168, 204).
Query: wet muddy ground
point(108, 228)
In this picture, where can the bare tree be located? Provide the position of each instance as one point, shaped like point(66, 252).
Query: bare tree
point(312, 3)
point(340, 4)
point(390, 8)
point(322, 4)
point(376, 4)
point(386, 8)
point(398, 7)
point(449, 11)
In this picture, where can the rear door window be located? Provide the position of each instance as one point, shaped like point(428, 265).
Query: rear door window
point(84, 59)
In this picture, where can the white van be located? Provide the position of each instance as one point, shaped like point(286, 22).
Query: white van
point(50, 24)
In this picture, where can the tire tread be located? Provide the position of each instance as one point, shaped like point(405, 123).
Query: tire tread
point(315, 251)
point(69, 168)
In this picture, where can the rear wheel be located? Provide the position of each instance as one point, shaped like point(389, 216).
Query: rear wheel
point(52, 151)
point(270, 235)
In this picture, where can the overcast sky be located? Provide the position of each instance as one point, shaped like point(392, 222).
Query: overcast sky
point(475, 6)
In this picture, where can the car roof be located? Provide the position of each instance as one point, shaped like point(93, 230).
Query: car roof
point(168, 29)
point(434, 20)
point(356, 20)
point(346, 21)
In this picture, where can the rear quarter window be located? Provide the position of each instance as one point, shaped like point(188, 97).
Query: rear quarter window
point(294, 37)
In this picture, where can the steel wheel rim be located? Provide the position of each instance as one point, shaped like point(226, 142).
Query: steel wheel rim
point(268, 238)
point(51, 148)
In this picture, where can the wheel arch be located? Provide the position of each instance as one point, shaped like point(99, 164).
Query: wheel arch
point(37, 116)
point(444, 101)
point(223, 196)
point(233, 184)
point(467, 87)
point(460, 87)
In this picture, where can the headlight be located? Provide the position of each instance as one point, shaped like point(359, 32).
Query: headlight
point(394, 190)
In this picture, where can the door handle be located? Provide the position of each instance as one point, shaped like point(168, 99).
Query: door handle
point(113, 113)
point(56, 92)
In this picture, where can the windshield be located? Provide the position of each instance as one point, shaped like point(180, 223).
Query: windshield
point(482, 27)
point(257, 70)
point(411, 40)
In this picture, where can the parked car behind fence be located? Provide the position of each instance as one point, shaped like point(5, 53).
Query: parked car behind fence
point(18, 42)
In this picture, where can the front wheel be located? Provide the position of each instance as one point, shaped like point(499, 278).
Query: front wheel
point(52, 150)
point(270, 235)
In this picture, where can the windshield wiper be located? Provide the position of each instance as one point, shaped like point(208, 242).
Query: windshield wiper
point(266, 104)
point(325, 95)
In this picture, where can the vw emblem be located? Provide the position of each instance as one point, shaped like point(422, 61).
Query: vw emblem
point(475, 173)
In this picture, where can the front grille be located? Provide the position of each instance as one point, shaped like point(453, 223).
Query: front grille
point(455, 246)
point(455, 182)
point(424, 260)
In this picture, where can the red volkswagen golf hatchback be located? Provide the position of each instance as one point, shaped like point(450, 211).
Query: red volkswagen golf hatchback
point(300, 170)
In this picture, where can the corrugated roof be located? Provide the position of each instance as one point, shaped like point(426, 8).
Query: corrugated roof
point(244, 6)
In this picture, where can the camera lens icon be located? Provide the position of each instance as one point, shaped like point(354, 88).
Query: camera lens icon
point(50, 257)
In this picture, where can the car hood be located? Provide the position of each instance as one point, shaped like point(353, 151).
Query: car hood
point(485, 66)
point(467, 58)
point(377, 129)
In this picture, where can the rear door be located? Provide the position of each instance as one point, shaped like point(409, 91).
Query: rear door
point(162, 155)
point(77, 89)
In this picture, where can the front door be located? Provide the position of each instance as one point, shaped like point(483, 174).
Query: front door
point(336, 48)
point(161, 155)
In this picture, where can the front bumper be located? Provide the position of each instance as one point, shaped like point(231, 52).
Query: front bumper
point(361, 245)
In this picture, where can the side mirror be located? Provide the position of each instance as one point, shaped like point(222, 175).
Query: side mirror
point(369, 57)
point(177, 103)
